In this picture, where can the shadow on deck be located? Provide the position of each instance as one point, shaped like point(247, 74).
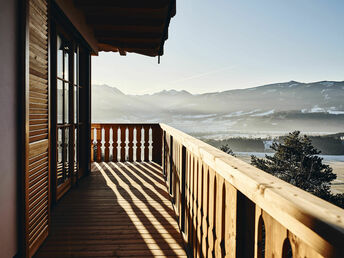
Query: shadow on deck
point(120, 210)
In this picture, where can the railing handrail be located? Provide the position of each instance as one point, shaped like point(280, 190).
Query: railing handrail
point(310, 218)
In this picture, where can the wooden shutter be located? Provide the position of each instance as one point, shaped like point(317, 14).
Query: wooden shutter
point(37, 128)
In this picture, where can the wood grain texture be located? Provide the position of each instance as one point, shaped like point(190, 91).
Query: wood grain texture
point(120, 210)
point(37, 96)
point(312, 223)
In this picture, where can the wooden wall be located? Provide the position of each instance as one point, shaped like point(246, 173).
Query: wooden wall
point(37, 128)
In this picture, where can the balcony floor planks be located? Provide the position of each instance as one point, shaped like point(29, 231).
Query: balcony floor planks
point(120, 210)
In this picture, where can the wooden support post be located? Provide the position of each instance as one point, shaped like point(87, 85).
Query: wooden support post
point(171, 166)
point(182, 185)
point(164, 155)
point(92, 144)
point(157, 144)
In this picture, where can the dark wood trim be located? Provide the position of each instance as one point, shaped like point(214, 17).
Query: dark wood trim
point(58, 15)
point(49, 116)
point(166, 25)
point(89, 122)
point(21, 123)
point(53, 108)
point(26, 123)
point(63, 27)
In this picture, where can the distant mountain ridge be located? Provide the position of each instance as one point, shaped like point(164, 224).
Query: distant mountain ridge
point(239, 109)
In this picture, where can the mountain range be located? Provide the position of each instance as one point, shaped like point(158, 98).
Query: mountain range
point(281, 107)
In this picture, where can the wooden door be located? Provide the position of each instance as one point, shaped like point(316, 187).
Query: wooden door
point(67, 123)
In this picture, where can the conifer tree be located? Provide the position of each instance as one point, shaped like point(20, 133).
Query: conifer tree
point(296, 161)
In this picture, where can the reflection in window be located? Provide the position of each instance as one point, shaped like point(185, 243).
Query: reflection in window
point(59, 157)
point(66, 102)
point(66, 147)
point(59, 57)
point(76, 104)
point(59, 102)
point(66, 64)
point(75, 149)
point(76, 66)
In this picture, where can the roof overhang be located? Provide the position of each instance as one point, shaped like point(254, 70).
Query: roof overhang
point(138, 26)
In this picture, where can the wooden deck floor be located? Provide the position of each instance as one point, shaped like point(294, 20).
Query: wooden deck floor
point(120, 210)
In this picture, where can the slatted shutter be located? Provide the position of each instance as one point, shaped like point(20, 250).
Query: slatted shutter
point(37, 129)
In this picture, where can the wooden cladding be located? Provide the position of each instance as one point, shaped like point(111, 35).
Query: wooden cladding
point(227, 208)
point(37, 119)
point(126, 142)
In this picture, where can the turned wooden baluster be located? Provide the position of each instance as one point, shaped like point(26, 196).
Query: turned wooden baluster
point(92, 144)
point(131, 143)
point(123, 129)
point(99, 144)
point(138, 143)
point(146, 143)
point(114, 143)
point(107, 143)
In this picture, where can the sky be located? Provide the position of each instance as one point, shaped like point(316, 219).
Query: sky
point(218, 45)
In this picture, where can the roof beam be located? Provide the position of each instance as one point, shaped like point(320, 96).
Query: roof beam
point(129, 12)
point(125, 44)
point(146, 4)
point(127, 34)
point(124, 21)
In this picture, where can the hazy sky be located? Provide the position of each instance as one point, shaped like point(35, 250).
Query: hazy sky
point(216, 45)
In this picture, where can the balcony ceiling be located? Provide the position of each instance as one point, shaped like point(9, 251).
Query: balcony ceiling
point(139, 26)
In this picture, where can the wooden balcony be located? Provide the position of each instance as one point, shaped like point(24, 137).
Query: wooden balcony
point(221, 206)
point(120, 210)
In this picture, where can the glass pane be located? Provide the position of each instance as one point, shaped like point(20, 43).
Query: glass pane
point(66, 145)
point(59, 164)
point(59, 102)
point(59, 57)
point(76, 66)
point(66, 63)
point(76, 104)
point(66, 103)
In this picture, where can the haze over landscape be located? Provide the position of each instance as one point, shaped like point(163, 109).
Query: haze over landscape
point(274, 109)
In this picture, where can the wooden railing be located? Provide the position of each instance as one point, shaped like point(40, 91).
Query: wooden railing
point(228, 208)
point(126, 142)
